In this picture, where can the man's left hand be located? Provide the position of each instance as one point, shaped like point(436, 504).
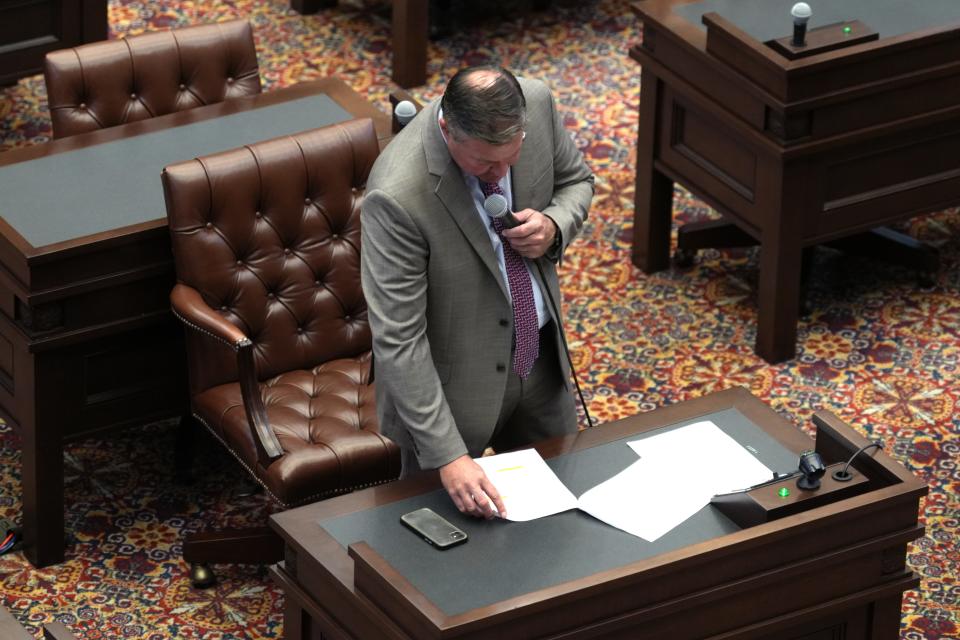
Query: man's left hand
point(534, 235)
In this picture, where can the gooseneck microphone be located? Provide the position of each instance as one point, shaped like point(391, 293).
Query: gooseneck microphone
point(497, 207)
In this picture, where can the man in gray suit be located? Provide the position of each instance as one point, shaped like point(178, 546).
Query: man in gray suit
point(466, 337)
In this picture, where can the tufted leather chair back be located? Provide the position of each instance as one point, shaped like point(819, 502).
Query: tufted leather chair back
point(269, 234)
point(104, 84)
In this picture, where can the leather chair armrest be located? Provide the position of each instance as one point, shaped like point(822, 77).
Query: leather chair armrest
point(188, 305)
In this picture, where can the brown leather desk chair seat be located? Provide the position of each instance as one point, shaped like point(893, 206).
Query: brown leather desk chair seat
point(266, 242)
point(104, 84)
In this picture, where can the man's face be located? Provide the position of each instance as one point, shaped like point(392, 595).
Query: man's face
point(488, 162)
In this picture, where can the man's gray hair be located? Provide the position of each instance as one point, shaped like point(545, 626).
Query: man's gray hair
point(485, 103)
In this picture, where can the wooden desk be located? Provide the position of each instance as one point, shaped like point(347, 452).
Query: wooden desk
point(410, 28)
point(837, 570)
point(30, 30)
point(794, 152)
point(87, 340)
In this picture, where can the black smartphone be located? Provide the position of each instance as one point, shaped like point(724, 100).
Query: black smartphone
point(433, 528)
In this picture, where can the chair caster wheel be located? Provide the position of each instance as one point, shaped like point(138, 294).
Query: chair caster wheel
point(684, 257)
point(201, 576)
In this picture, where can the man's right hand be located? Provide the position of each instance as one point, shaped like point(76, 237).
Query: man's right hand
point(470, 489)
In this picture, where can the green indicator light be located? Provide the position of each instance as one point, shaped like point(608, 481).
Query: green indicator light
point(783, 492)
point(847, 30)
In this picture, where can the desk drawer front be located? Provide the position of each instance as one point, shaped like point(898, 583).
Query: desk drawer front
point(870, 185)
point(715, 162)
point(28, 30)
point(46, 25)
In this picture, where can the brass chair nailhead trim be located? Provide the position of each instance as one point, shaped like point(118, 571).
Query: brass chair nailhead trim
point(234, 346)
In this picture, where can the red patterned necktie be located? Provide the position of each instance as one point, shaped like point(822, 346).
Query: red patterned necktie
point(525, 326)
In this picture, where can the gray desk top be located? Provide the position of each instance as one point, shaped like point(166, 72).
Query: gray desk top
point(769, 19)
point(77, 193)
point(502, 559)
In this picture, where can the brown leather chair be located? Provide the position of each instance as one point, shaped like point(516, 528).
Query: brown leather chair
point(103, 84)
point(266, 243)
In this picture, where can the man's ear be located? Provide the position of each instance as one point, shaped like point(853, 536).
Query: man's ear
point(443, 126)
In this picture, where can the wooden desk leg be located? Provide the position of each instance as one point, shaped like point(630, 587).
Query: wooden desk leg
point(781, 257)
point(95, 24)
point(293, 617)
point(306, 7)
point(410, 28)
point(653, 199)
point(42, 469)
point(885, 618)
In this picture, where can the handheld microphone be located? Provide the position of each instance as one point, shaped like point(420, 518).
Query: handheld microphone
point(801, 13)
point(498, 208)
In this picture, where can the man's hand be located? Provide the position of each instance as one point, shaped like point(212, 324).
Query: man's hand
point(470, 489)
point(534, 235)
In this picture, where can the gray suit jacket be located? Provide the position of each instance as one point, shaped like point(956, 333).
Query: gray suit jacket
point(439, 309)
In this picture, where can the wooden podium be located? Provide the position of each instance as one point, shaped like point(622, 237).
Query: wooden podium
point(833, 571)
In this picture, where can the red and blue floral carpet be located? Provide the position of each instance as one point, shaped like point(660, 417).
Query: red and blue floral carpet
point(876, 349)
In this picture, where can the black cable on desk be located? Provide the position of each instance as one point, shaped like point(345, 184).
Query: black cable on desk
point(844, 475)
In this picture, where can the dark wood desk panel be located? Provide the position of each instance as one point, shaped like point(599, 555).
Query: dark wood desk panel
point(836, 569)
point(30, 30)
point(794, 153)
point(410, 28)
point(87, 340)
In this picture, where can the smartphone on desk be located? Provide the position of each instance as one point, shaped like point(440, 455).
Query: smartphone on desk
point(433, 528)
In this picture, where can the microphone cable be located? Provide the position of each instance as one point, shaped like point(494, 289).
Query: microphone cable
point(563, 341)
point(843, 475)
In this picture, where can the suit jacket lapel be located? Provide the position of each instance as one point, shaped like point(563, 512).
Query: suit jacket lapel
point(452, 192)
point(522, 175)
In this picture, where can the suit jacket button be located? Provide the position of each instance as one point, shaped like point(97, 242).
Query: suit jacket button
point(501, 367)
point(504, 322)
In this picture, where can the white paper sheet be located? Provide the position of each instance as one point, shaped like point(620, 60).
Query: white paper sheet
point(637, 501)
point(703, 458)
point(677, 474)
point(529, 488)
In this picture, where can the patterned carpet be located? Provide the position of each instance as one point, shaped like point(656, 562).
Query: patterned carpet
point(876, 350)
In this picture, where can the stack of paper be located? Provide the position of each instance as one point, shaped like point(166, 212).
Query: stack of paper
point(675, 476)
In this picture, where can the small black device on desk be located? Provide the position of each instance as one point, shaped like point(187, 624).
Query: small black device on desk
point(433, 528)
